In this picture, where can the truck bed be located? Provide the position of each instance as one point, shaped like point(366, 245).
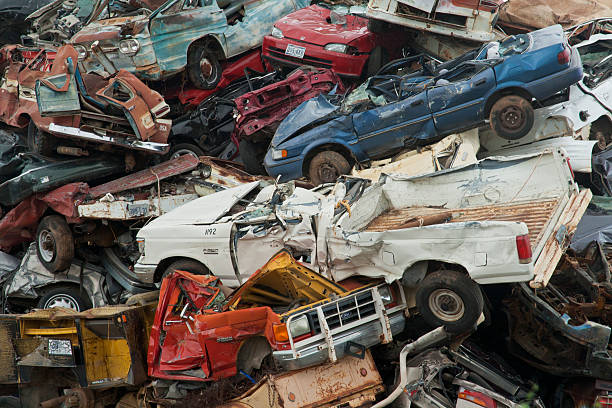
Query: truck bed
point(535, 214)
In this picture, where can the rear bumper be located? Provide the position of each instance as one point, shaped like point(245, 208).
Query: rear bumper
point(366, 335)
point(345, 65)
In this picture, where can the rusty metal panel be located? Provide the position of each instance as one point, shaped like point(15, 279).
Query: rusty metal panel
point(8, 363)
point(558, 241)
point(148, 176)
point(129, 210)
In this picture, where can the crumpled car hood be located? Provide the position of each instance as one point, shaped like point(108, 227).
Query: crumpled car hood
point(106, 29)
point(308, 113)
point(313, 23)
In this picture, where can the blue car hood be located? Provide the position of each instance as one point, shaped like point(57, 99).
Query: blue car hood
point(305, 114)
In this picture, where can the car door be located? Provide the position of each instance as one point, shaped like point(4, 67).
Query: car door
point(385, 129)
point(250, 21)
point(457, 98)
point(175, 27)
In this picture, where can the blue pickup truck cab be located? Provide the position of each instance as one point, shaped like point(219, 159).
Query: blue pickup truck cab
point(501, 82)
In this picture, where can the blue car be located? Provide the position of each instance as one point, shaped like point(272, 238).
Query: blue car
point(502, 82)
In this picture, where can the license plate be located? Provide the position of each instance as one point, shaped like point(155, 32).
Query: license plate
point(295, 51)
point(60, 347)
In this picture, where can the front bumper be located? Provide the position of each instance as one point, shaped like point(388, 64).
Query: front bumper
point(145, 273)
point(345, 65)
point(288, 169)
point(366, 335)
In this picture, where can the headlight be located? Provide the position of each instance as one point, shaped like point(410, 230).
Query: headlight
point(279, 154)
point(129, 47)
point(141, 245)
point(299, 326)
point(82, 51)
point(276, 33)
point(336, 47)
point(385, 294)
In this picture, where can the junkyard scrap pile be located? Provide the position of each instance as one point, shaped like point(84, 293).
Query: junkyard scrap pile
point(294, 203)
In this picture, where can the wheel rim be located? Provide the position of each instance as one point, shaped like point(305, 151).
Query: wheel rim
point(182, 152)
point(46, 246)
point(62, 300)
point(206, 67)
point(328, 173)
point(446, 305)
point(512, 117)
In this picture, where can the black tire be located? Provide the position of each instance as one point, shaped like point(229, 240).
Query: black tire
point(66, 296)
point(203, 67)
point(186, 265)
point(10, 402)
point(511, 117)
point(251, 157)
point(185, 148)
point(327, 166)
point(377, 26)
point(601, 130)
point(451, 299)
point(40, 142)
point(54, 243)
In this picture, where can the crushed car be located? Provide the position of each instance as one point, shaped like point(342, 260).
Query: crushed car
point(243, 117)
point(322, 140)
point(170, 40)
point(57, 102)
point(284, 311)
point(13, 14)
point(333, 37)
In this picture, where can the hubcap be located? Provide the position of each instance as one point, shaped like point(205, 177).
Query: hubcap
point(446, 305)
point(328, 173)
point(62, 300)
point(46, 245)
point(181, 152)
point(206, 67)
point(512, 117)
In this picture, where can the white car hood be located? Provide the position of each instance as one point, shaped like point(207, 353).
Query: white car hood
point(204, 210)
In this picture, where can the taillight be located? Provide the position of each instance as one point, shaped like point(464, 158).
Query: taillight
point(523, 247)
point(564, 56)
point(567, 160)
point(476, 398)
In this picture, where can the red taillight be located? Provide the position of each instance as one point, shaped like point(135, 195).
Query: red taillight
point(477, 398)
point(564, 56)
point(570, 167)
point(523, 247)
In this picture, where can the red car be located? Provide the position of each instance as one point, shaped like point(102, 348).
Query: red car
point(319, 37)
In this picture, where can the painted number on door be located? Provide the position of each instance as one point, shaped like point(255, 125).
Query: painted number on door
point(210, 231)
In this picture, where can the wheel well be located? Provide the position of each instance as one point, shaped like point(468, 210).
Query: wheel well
point(252, 353)
point(330, 146)
point(505, 92)
point(600, 124)
point(161, 267)
point(416, 272)
point(72, 285)
point(24, 120)
point(216, 45)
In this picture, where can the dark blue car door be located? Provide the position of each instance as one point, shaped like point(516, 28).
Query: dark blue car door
point(385, 129)
point(457, 98)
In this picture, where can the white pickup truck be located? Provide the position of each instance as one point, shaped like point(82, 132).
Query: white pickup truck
point(499, 220)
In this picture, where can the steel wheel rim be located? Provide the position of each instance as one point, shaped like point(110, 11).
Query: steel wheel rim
point(46, 246)
point(446, 305)
point(182, 152)
point(328, 173)
point(512, 117)
point(206, 68)
point(62, 300)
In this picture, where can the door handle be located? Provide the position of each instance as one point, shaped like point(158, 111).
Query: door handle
point(480, 81)
point(417, 102)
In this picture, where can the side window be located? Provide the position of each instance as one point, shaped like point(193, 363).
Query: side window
point(175, 8)
point(118, 92)
point(191, 4)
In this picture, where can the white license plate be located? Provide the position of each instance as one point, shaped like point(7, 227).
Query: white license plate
point(59, 347)
point(295, 51)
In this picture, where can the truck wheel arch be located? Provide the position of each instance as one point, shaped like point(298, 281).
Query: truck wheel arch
point(252, 353)
point(417, 271)
point(168, 262)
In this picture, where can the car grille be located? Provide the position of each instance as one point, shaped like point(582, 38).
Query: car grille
point(344, 311)
point(277, 53)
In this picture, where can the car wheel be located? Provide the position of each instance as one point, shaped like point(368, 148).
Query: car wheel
point(54, 243)
point(40, 142)
point(204, 68)
point(511, 117)
point(185, 148)
point(251, 157)
point(64, 296)
point(377, 26)
point(602, 132)
point(186, 265)
point(327, 166)
point(451, 299)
